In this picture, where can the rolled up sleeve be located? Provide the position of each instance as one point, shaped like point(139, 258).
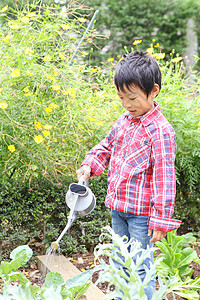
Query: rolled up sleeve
point(163, 183)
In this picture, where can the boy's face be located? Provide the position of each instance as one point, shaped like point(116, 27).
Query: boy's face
point(136, 101)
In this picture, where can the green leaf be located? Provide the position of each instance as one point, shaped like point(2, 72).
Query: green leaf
point(189, 238)
point(190, 295)
point(80, 279)
point(21, 277)
point(163, 247)
point(188, 254)
point(82, 290)
point(24, 253)
point(53, 279)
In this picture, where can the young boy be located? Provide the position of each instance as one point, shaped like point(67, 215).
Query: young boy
point(140, 150)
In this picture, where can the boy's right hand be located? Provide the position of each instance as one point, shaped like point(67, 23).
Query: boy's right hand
point(84, 171)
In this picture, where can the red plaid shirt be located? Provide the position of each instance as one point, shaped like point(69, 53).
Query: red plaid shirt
point(140, 153)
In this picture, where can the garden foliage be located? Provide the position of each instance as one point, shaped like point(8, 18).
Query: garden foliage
point(160, 21)
point(54, 286)
point(127, 282)
point(126, 279)
point(53, 110)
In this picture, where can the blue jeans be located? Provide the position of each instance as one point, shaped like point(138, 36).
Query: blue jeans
point(134, 226)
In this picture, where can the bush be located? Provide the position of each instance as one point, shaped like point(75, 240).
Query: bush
point(158, 22)
point(40, 214)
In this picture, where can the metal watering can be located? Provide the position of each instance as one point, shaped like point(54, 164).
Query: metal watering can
point(81, 201)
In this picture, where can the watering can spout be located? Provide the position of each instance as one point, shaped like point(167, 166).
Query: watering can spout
point(54, 245)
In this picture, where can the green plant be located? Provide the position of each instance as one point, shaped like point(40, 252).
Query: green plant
point(173, 264)
point(54, 286)
point(160, 23)
point(126, 280)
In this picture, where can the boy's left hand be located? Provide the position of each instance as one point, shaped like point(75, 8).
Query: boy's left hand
point(158, 235)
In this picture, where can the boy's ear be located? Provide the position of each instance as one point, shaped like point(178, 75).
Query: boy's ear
point(155, 90)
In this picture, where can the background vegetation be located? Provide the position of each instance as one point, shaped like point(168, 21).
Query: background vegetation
point(53, 110)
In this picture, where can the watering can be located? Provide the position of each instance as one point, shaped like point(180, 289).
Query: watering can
point(81, 201)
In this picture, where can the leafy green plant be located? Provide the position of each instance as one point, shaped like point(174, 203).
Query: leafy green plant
point(54, 286)
point(173, 264)
point(174, 258)
point(126, 279)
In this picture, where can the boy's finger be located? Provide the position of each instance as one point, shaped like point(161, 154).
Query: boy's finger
point(149, 232)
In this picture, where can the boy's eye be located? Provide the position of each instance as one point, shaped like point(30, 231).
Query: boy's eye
point(132, 98)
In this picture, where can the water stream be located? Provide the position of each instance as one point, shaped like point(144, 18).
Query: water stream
point(53, 258)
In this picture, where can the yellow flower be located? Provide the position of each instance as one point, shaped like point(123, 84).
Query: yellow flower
point(37, 125)
point(53, 105)
point(149, 50)
point(197, 111)
point(32, 14)
point(48, 109)
point(3, 105)
point(29, 73)
point(46, 132)
point(1, 89)
point(91, 119)
point(110, 59)
point(84, 53)
point(136, 42)
point(176, 59)
point(27, 94)
point(55, 87)
point(199, 123)
point(62, 56)
point(94, 70)
point(82, 20)
point(4, 8)
point(11, 148)
point(153, 40)
point(38, 139)
point(55, 73)
point(71, 92)
point(26, 89)
point(80, 126)
point(25, 20)
point(156, 45)
point(15, 73)
point(50, 77)
point(47, 58)
point(47, 127)
point(168, 99)
point(65, 26)
point(7, 38)
point(13, 25)
point(159, 55)
point(29, 51)
point(99, 123)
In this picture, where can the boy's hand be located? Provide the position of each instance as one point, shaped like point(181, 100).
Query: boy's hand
point(84, 171)
point(158, 235)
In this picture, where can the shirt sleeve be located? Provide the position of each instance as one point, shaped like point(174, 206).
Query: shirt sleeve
point(99, 156)
point(163, 183)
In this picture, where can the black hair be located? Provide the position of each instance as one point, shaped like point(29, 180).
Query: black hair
point(140, 69)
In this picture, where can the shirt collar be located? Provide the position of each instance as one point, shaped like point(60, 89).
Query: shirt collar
point(149, 117)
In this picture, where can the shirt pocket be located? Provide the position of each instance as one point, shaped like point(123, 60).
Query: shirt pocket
point(138, 154)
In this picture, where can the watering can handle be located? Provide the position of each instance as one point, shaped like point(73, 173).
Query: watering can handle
point(86, 182)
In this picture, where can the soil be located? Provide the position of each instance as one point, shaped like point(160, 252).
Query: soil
point(85, 261)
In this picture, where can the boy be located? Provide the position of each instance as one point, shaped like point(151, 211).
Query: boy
point(140, 150)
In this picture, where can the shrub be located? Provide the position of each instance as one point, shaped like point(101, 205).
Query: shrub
point(40, 214)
